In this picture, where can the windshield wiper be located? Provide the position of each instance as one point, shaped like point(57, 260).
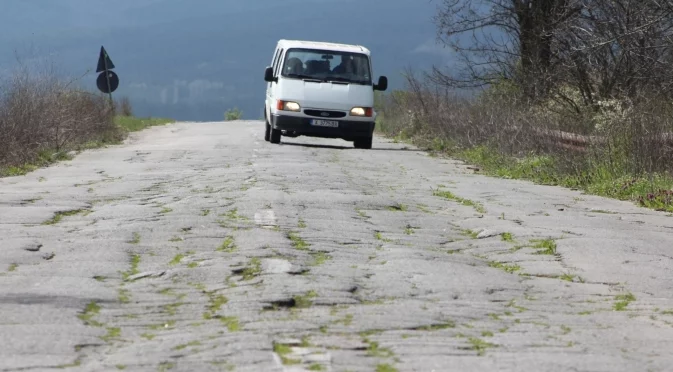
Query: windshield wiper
point(345, 80)
point(305, 77)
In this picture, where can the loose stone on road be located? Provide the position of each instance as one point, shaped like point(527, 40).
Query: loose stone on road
point(199, 247)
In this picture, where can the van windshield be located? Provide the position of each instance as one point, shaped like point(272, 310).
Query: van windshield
point(327, 65)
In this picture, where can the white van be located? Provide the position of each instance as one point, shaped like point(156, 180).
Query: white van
point(320, 89)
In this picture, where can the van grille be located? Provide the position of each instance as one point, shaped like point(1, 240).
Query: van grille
point(325, 113)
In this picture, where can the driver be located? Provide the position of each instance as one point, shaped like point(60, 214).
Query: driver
point(346, 66)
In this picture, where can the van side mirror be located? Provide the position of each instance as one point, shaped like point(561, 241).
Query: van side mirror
point(382, 85)
point(268, 75)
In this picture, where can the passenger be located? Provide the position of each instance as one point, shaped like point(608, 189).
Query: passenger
point(346, 66)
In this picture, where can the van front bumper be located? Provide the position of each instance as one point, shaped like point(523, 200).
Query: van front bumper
point(302, 126)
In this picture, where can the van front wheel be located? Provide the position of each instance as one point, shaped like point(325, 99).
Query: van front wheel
point(275, 135)
point(363, 143)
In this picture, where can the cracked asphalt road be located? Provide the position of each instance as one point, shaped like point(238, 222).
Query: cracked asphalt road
point(199, 246)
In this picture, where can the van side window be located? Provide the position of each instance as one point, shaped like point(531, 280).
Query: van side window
point(276, 67)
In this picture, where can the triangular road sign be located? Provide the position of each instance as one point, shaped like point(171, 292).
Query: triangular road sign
point(104, 59)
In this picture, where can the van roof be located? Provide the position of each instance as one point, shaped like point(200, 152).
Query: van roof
point(286, 44)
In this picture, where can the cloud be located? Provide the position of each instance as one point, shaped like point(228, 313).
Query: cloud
point(432, 47)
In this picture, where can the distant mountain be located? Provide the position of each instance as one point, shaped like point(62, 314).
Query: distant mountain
point(194, 59)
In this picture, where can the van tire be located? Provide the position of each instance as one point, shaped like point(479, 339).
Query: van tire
point(363, 143)
point(267, 131)
point(275, 135)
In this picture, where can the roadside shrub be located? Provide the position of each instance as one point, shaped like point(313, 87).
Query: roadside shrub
point(43, 117)
point(233, 114)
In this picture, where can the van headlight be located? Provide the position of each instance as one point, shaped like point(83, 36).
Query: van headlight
point(362, 111)
point(288, 106)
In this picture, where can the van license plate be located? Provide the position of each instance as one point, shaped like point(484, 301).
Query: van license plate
point(325, 123)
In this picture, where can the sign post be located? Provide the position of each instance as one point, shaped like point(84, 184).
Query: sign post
point(107, 81)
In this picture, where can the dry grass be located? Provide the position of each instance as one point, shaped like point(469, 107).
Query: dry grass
point(43, 117)
point(622, 149)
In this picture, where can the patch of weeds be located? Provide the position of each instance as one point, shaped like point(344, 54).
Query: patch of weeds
point(623, 301)
point(567, 277)
point(112, 333)
point(479, 345)
point(375, 350)
point(12, 267)
point(347, 320)
point(172, 309)
point(124, 296)
point(319, 258)
point(385, 368)
point(587, 312)
point(398, 208)
point(76, 363)
point(148, 336)
point(231, 322)
point(135, 239)
point(232, 214)
point(120, 366)
point(283, 350)
point(546, 246)
point(192, 265)
point(380, 237)
point(165, 210)
point(508, 268)
point(316, 367)
point(205, 212)
point(450, 196)
point(99, 278)
point(472, 234)
point(305, 300)
point(253, 269)
point(361, 213)
point(408, 230)
point(165, 366)
point(667, 312)
point(503, 330)
point(507, 237)
point(216, 302)
point(133, 270)
point(301, 224)
point(175, 239)
point(565, 329)
point(228, 245)
point(92, 309)
point(176, 260)
point(436, 327)
point(184, 346)
point(487, 334)
point(297, 241)
point(494, 316)
point(58, 216)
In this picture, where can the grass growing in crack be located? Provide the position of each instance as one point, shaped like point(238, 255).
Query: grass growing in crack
point(283, 350)
point(305, 300)
point(165, 210)
point(58, 216)
point(176, 260)
point(133, 270)
point(546, 246)
point(124, 296)
point(408, 230)
point(228, 245)
point(450, 196)
point(316, 367)
point(385, 368)
point(398, 208)
point(347, 320)
point(479, 345)
point(135, 239)
point(361, 213)
point(297, 241)
point(623, 301)
point(375, 350)
point(205, 212)
point(12, 267)
point(319, 258)
point(165, 366)
point(301, 224)
point(92, 309)
point(172, 309)
point(380, 237)
point(231, 322)
point(507, 237)
point(567, 277)
point(183, 346)
point(471, 233)
point(253, 269)
point(112, 332)
point(506, 267)
point(216, 302)
point(565, 329)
